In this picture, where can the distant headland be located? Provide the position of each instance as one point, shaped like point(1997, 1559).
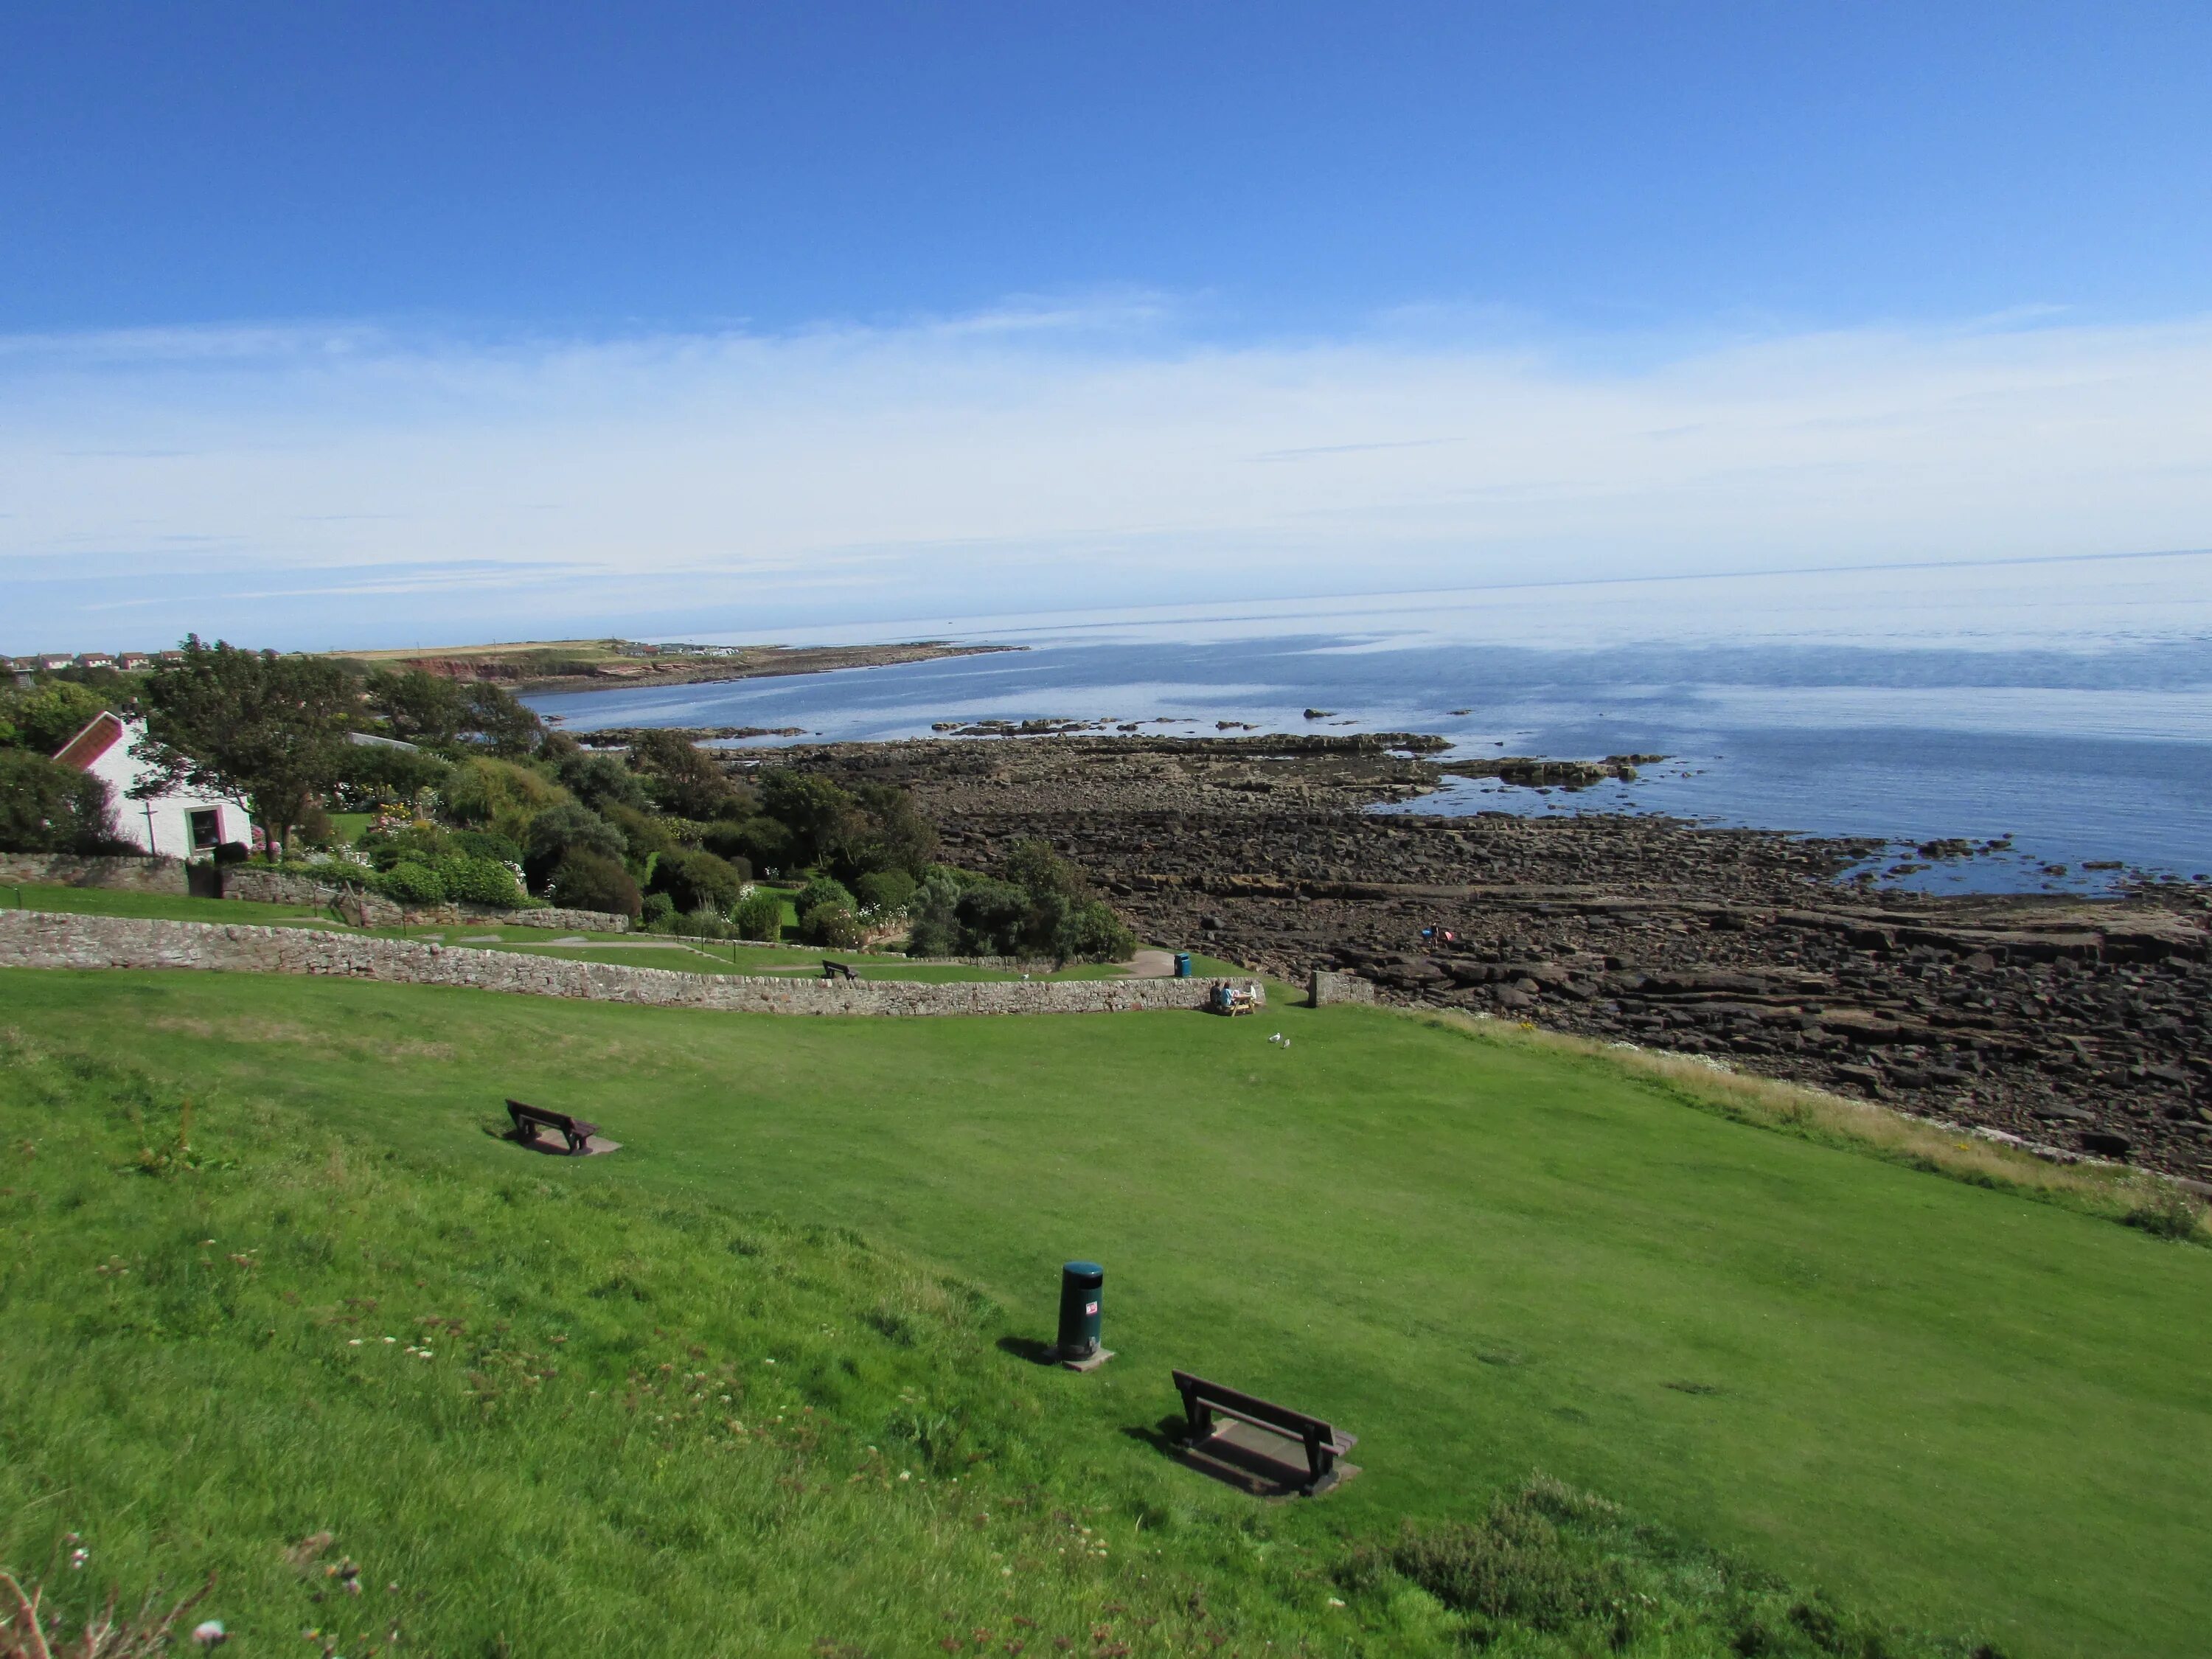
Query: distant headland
point(604, 665)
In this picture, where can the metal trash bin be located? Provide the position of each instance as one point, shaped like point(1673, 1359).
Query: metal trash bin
point(1182, 964)
point(1079, 1291)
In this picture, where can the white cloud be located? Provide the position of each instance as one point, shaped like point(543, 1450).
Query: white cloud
point(1061, 454)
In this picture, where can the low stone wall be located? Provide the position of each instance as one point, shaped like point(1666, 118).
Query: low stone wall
point(1325, 988)
point(573, 921)
point(35, 939)
point(243, 881)
point(137, 875)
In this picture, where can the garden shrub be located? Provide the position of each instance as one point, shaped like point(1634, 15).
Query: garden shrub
point(832, 925)
point(485, 844)
point(694, 879)
point(702, 923)
point(885, 890)
point(759, 915)
point(479, 881)
point(560, 830)
point(762, 839)
point(416, 843)
point(411, 883)
point(47, 807)
point(588, 880)
point(820, 890)
point(484, 794)
point(647, 833)
point(1044, 908)
point(315, 828)
point(658, 912)
point(600, 780)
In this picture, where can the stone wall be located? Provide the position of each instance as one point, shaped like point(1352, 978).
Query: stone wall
point(33, 939)
point(138, 875)
point(1325, 988)
point(243, 881)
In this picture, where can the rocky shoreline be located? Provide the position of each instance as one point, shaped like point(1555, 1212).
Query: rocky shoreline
point(2083, 1024)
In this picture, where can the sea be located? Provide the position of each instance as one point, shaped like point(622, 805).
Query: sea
point(2058, 707)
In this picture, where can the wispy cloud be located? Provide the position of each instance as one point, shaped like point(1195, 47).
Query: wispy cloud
point(1052, 454)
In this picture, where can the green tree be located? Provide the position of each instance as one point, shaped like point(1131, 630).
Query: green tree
point(377, 772)
point(685, 778)
point(818, 816)
point(560, 830)
point(51, 713)
point(586, 880)
point(501, 720)
point(600, 780)
point(47, 807)
point(696, 880)
point(265, 731)
point(417, 706)
point(892, 834)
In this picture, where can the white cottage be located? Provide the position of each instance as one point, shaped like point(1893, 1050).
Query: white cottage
point(182, 825)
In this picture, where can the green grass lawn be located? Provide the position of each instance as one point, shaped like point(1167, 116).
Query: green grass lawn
point(1957, 1406)
point(165, 907)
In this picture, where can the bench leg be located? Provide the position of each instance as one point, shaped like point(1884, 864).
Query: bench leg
point(1320, 1465)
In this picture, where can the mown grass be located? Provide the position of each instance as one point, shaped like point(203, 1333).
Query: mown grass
point(1936, 1398)
point(390, 1404)
point(162, 907)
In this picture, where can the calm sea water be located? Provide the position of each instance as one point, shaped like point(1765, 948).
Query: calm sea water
point(1892, 709)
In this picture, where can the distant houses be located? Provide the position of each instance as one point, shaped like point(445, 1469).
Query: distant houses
point(53, 662)
point(182, 825)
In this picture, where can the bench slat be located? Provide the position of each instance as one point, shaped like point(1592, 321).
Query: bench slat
point(1262, 1413)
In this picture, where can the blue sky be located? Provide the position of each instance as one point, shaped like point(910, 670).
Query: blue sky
point(332, 317)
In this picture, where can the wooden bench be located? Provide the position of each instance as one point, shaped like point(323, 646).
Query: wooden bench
point(528, 1120)
point(836, 969)
point(1323, 1444)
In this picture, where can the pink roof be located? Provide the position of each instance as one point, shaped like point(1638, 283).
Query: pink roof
point(89, 745)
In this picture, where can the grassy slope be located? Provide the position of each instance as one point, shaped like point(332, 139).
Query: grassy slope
point(1959, 1405)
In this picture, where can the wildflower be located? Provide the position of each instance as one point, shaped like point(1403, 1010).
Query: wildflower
point(353, 1342)
point(78, 1557)
point(209, 1633)
point(390, 1339)
point(1335, 1601)
point(904, 1474)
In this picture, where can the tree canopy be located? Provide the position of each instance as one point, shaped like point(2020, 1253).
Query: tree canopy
point(265, 731)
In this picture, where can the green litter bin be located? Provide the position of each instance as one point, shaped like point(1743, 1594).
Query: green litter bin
point(1182, 964)
point(1079, 1293)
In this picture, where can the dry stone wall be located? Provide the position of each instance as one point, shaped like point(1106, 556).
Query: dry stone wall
point(137, 875)
point(35, 939)
point(1325, 988)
